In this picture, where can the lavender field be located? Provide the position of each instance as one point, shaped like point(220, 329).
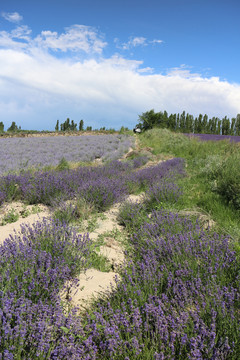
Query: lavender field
point(177, 295)
point(17, 153)
point(214, 137)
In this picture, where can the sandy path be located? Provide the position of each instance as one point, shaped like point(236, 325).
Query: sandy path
point(15, 227)
point(94, 283)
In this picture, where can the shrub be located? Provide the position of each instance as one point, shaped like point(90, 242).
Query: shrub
point(73, 211)
point(228, 183)
point(132, 215)
point(162, 192)
point(63, 165)
point(10, 217)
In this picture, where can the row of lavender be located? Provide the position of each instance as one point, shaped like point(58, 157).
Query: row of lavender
point(101, 185)
point(214, 137)
point(36, 264)
point(17, 153)
point(179, 296)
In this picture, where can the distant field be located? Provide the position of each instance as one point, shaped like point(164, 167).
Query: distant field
point(17, 153)
point(213, 137)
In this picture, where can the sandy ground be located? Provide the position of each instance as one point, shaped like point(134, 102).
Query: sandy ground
point(94, 283)
point(20, 209)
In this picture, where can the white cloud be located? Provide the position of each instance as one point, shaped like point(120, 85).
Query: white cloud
point(75, 38)
point(183, 71)
point(18, 38)
point(22, 32)
point(133, 42)
point(147, 69)
point(156, 41)
point(12, 17)
point(36, 87)
point(136, 41)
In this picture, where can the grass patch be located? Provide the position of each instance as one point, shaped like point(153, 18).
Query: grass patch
point(213, 173)
point(10, 217)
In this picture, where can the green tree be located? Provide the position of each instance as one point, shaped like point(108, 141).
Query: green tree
point(219, 127)
point(213, 125)
point(81, 124)
point(13, 127)
point(57, 126)
point(148, 120)
point(67, 124)
point(225, 126)
point(237, 125)
point(198, 125)
point(204, 124)
point(233, 128)
point(1, 127)
point(73, 126)
point(165, 120)
point(182, 124)
point(189, 124)
point(172, 122)
point(178, 123)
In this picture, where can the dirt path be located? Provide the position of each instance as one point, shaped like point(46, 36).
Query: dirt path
point(94, 283)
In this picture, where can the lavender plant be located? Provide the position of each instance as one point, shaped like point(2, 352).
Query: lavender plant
point(35, 265)
point(162, 192)
point(37, 262)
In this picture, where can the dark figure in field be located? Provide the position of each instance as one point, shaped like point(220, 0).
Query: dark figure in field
point(136, 130)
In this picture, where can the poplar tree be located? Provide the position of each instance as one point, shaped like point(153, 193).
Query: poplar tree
point(233, 123)
point(57, 126)
point(237, 125)
point(81, 125)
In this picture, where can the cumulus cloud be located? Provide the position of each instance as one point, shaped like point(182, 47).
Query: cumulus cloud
point(16, 39)
point(37, 87)
point(75, 38)
point(12, 17)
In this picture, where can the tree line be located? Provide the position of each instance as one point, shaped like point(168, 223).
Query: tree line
point(12, 128)
point(65, 126)
point(71, 126)
point(186, 123)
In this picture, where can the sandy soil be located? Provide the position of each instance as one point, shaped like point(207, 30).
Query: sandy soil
point(20, 209)
point(94, 283)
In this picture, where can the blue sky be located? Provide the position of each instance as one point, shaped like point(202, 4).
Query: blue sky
point(106, 62)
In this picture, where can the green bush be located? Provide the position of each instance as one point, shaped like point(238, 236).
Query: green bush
point(63, 165)
point(228, 181)
point(132, 215)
